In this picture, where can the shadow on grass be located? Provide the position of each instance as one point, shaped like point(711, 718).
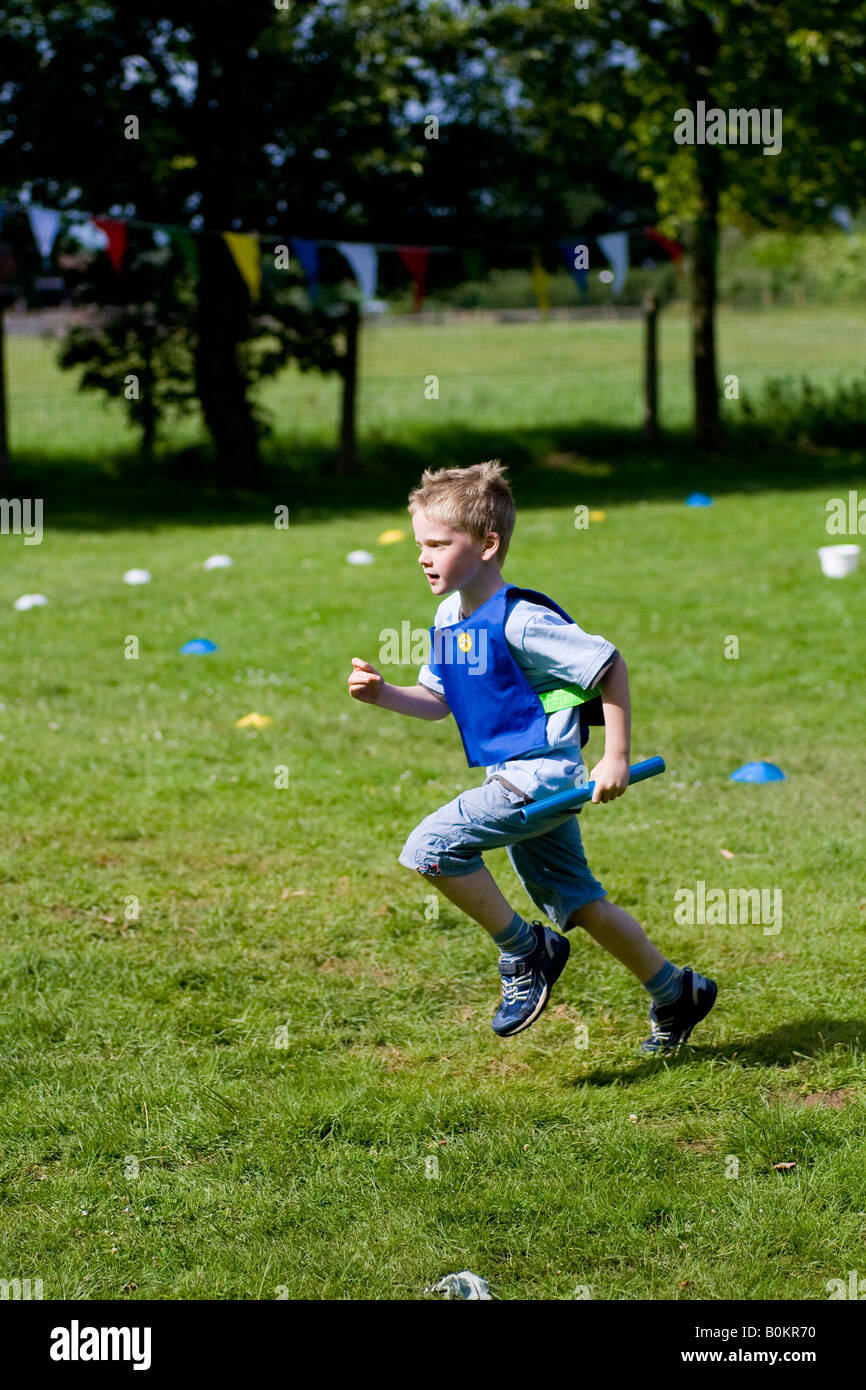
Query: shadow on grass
point(554, 466)
point(806, 1038)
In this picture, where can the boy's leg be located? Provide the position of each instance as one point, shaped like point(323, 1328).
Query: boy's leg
point(478, 896)
point(552, 867)
point(555, 874)
point(446, 850)
point(680, 998)
point(618, 932)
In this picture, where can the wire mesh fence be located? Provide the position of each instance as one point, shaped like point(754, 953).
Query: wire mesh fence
point(479, 369)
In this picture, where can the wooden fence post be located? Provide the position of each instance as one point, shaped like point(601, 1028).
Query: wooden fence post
point(651, 383)
point(4, 438)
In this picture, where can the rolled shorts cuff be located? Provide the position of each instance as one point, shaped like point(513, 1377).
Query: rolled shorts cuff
point(591, 896)
point(442, 863)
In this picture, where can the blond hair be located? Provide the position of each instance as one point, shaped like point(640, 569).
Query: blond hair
point(475, 500)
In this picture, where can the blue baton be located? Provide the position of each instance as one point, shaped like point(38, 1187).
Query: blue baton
point(571, 799)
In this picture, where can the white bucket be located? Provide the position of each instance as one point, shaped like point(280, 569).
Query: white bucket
point(838, 560)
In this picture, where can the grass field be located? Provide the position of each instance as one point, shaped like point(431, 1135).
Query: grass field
point(239, 1092)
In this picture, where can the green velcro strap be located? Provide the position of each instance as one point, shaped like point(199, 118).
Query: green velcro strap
point(564, 696)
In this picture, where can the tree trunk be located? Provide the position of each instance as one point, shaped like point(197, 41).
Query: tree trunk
point(148, 436)
point(222, 311)
point(148, 418)
point(4, 444)
point(708, 431)
point(704, 48)
point(223, 298)
point(651, 383)
point(349, 369)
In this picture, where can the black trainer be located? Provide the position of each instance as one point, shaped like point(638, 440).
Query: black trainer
point(672, 1023)
point(528, 980)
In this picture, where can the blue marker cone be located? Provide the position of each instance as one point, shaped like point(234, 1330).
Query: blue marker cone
point(699, 499)
point(758, 772)
point(198, 646)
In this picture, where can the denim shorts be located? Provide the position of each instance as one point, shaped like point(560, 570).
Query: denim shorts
point(547, 856)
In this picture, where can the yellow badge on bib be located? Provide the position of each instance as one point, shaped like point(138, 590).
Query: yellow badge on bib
point(464, 641)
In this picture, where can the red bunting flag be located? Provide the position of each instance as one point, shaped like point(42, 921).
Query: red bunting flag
point(116, 233)
point(673, 248)
point(416, 260)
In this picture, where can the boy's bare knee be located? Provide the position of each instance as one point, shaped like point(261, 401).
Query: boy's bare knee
point(590, 914)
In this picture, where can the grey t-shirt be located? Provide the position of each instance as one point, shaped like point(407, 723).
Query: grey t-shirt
point(549, 651)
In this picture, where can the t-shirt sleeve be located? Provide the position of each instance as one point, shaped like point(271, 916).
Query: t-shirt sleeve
point(561, 649)
point(446, 613)
point(432, 682)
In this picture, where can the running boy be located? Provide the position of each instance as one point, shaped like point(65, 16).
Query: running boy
point(522, 681)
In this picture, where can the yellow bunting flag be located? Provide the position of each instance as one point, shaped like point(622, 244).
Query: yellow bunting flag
point(248, 259)
point(540, 280)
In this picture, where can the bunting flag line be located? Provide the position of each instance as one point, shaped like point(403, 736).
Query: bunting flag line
point(673, 248)
point(614, 248)
point(187, 246)
point(473, 264)
point(307, 253)
point(8, 267)
point(45, 224)
point(247, 256)
point(116, 233)
point(416, 259)
point(540, 281)
point(87, 234)
point(578, 264)
point(111, 234)
point(842, 217)
point(365, 265)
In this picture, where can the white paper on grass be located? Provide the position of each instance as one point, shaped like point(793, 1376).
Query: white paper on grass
point(464, 1285)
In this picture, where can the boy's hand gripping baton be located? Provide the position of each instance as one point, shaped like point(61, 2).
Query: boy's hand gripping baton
point(570, 800)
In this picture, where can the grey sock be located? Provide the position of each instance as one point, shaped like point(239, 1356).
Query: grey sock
point(517, 939)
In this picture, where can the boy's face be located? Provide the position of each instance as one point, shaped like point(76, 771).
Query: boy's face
point(450, 559)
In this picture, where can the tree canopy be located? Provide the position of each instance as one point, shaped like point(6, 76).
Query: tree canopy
point(463, 122)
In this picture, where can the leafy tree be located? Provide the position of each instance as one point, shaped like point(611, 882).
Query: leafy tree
point(314, 121)
point(249, 118)
point(146, 338)
point(632, 65)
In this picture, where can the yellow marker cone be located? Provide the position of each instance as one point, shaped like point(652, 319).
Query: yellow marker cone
point(389, 537)
point(597, 516)
point(254, 721)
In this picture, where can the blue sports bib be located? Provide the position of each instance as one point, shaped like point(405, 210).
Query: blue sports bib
point(498, 713)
